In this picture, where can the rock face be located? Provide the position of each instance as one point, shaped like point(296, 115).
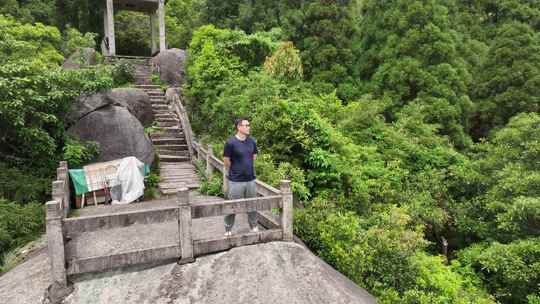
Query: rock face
point(118, 133)
point(276, 273)
point(81, 58)
point(171, 65)
point(136, 101)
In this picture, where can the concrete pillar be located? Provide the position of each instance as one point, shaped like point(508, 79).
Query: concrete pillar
point(105, 46)
point(55, 243)
point(161, 17)
point(184, 226)
point(209, 167)
point(153, 32)
point(287, 210)
point(62, 174)
point(58, 193)
point(109, 19)
point(225, 187)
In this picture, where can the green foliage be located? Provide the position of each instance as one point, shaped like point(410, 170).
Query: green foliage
point(285, 63)
point(73, 39)
point(152, 180)
point(19, 224)
point(383, 253)
point(33, 103)
point(154, 128)
point(123, 72)
point(510, 77)
point(37, 43)
point(182, 17)
point(132, 33)
point(511, 271)
point(507, 183)
point(409, 56)
point(78, 154)
point(320, 29)
point(21, 186)
point(212, 186)
point(30, 11)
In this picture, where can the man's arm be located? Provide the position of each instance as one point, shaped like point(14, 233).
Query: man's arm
point(227, 162)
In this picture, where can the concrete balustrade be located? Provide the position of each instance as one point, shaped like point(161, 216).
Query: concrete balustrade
point(55, 242)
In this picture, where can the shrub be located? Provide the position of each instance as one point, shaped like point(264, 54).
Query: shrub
point(123, 72)
point(23, 187)
point(19, 224)
point(73, 39)
point(77, 153)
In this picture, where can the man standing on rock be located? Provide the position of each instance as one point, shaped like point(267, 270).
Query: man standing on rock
point(239, 153)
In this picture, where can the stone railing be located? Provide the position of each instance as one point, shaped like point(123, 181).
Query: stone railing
point(56, 212)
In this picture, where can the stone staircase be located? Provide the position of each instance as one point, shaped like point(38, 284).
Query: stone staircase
point(169, 142)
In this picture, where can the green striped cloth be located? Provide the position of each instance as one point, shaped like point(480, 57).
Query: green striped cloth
point(79, 180)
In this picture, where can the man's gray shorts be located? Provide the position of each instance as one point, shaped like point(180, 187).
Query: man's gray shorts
point(238, 190)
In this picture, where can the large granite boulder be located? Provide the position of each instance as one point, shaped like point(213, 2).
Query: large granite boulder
point(277, 273)
point(82, 57)
point(171, 65)
point(118, 133)
point(136, 101)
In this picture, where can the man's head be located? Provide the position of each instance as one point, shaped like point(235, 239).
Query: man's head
point(242, 126)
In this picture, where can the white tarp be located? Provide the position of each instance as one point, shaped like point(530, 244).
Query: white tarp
point(124, 178)
point(131, 177)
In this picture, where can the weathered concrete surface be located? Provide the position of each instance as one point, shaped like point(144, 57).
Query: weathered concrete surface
point(118, 133)
point(171, 65)
point(273, 273)
point(27, 282)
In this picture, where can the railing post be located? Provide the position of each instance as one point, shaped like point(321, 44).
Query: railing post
point(225, 186)
point(287, 210)
point(64, 173)
point(209, 168)
point(55, 243)
point(58, 193)
point(184, 226)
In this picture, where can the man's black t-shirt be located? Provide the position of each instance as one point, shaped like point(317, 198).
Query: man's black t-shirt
point(241, 156)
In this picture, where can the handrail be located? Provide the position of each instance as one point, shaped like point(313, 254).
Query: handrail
point(60, 187)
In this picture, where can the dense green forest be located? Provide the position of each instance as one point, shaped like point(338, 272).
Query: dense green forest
point(410, 129)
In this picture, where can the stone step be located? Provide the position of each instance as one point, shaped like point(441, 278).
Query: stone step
point(158, 90)
point(156, 94)
point(173, 158)
point(183, 154)
point(148, 86)
point(168, 123)
point(170, 133)
point(172, 191)
point(165, 114)
point(167, 119)
point(168, 141)
point(159, 107)
point(172, 147)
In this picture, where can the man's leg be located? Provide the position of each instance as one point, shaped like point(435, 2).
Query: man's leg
point(251, 191)
point(236, 191)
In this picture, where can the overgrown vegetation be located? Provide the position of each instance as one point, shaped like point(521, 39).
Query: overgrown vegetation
point(418, 183)
point(35, 97)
